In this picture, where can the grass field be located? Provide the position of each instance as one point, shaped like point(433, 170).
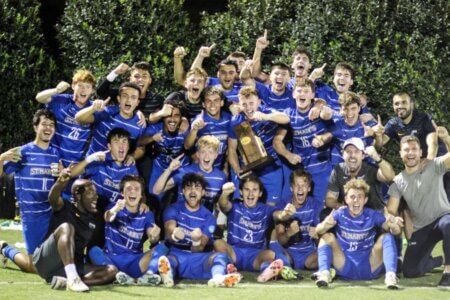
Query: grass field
point(17, 285)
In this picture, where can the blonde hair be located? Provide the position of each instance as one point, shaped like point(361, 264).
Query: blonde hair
point(197, 71)
point(357, 184)
point(208, 141)
point(83, 76)
point(247, 91)
point(348, 98)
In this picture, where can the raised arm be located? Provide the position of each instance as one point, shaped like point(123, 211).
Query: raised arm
point(224, 201)
point(178, 69)
point(54, 196)
point(203, 52)
point(385, 172)
point(261, 44)
point(86, 115)
point(45, 96)
point(163, 183)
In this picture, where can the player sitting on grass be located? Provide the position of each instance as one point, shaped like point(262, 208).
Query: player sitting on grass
point(125, 227)
point(248, 222)
point(189, 227)
point(354, 251)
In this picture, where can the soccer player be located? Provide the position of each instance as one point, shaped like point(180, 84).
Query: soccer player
point(353, 250)
point(354, 166)
point(296, 235)
point(309, 136)
point(248, 222)
point(189, 227)
point(213, 120)
point(208, 147)
point(420, 185)
point(168, 140)
point(104, 118)
point(125, 228)
point(263, 121)
point(60, 258)
point(32, 167)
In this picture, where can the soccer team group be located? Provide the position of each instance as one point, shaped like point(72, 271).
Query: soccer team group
point(103, 176)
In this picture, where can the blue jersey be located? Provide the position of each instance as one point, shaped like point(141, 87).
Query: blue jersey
point(124, 235)
point(307, 216)
point(171, 146)
point(247, 226)
point(108, 119)
point(70, 137)
point(33, 180)
point(330, 95)
point(219, 129)
point(214, 181)
point(106, 175)
point(342, 132)
point(265, 130)
point(314, 160)
point(272, 100)
point(189, 220)
point(356, 235)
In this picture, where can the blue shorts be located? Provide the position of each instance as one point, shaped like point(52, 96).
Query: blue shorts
point(34, 232)
point(357, 267)
point(245, 257)
point(272, 179)
point(192, 265)
point(300, 257)
point(128, 263)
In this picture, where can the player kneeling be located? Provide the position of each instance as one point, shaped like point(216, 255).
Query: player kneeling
point(353, 251)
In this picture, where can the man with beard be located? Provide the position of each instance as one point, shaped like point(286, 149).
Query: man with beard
point(33, 177)
point(420, 185)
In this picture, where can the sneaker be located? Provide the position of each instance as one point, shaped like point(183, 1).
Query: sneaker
point(124, 279)
point(58, 283)
point(323, 278)
point(76, 285)
point(315, 275)
point(3, 259)
point(228, 280)
point(165, 271)
point(399, 265)
point(287, 273)
point(444, 283)
point(149, 279)
point(391, 281)
point(271, 272)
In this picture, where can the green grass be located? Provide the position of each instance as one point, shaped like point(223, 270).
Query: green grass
point(17, 285)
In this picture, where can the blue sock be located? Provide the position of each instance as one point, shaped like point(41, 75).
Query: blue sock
point(325, 256)
point(97, 257)
point(160, 250)
point(389, 253)
point(276, 247)
point(219, 264)
point(264, 265)
point(10, 252)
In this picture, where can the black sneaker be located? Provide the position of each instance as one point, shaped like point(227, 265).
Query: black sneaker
point(444, 283)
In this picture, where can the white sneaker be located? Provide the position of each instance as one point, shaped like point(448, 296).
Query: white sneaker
point(124, 279)
point(149, 279)
point(391, 281)
point(58, 283)
point(76, 285)
point(228, 280)
point(165, 271)
point(323, 278)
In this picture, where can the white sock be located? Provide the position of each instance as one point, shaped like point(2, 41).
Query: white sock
point(71, 271)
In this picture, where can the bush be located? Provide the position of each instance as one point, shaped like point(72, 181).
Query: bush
point(98, 35)
point(25, 69)
point(393, 45)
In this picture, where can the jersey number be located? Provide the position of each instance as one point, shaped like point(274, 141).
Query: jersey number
point(74, 133)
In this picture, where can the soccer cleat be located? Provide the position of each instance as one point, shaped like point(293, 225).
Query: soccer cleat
point(58, 283)
point(124, 279)
point(3, 259)
point(315, 275)
point(228, 280)
point(165, 271)
point(391, 281)
point(444, 283)
point(149, 279)
point(76, 285)
point(323, 278)
point(271, 272)
point(287, 273)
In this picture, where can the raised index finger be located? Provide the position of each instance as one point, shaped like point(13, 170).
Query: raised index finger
point(212, 46)
point(323, 66)
point(379, 120)
point(265, 33)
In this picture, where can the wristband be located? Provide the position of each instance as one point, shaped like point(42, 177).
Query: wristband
point(111, 76)
point(379, 161)
point(196, 243)
point(174, 238)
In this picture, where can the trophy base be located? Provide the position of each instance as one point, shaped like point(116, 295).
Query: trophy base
point(257, 164)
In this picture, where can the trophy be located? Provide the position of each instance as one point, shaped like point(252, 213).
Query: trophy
point(251, 148)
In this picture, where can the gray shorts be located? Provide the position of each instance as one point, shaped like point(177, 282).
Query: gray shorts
point(47, 261)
